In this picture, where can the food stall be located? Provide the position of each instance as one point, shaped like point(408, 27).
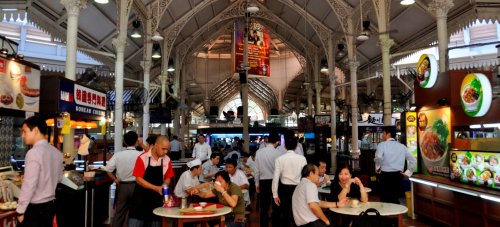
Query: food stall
point(456, 184)
point(83, 197)
point(19, 98)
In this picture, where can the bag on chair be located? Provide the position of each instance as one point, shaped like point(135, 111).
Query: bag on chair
point(365, 219)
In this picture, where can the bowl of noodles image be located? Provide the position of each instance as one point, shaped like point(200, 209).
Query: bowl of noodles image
point(470, 98)
point(432, 148)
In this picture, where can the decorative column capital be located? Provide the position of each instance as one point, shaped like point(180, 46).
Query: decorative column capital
point(146, 64)
point(353, 65)
point(73, 7)
point(119, 44)
point(440, 8)
point(386, 43)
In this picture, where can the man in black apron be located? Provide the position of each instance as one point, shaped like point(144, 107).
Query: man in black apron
point(152, 170)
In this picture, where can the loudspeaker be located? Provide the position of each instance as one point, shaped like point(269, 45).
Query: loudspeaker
point(243, 78)
point(239, 112)
point(214, 110)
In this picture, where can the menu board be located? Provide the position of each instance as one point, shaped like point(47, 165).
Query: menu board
point(433, 140)
point(475, 167)
point(411, 134)
point(19, 86)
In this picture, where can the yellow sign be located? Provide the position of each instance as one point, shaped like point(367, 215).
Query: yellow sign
point(66, 129)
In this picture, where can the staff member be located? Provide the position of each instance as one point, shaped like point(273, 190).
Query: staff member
point(123, 162)
point(306, 204)
point(44, 169)
point(152, 169)
point(201, 149)
point(389, 163)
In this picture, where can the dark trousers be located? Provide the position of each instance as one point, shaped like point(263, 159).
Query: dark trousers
point(317, 223)
point(390, 187)
point(39, 215)
point(285, 193)
point(124, 193)
point(266, 199)
point(174, 155)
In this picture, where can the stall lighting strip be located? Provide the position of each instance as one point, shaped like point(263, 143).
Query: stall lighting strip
point(475, 126)
point(495, 125)
point(455, 189)
point(423, 182)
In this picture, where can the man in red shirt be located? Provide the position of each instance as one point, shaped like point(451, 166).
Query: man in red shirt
point(152, 169)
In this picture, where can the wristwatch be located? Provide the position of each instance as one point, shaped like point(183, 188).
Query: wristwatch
point(19, 214)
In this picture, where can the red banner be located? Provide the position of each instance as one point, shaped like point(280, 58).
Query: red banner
point(258, 48)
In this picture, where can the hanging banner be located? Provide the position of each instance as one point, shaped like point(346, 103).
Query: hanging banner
point(19, 86)
point(427, 70)
point(258, 48)
point(411, 134)
point(75, 98)
point(476, 94)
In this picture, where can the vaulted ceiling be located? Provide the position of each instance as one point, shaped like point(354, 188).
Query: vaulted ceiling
point(298, 26)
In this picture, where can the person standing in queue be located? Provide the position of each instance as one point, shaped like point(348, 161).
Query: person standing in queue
point(123, 162)
point(43, 170)
point(201, 149)
point(389, 163)
point(264, 169)
point(152, 169)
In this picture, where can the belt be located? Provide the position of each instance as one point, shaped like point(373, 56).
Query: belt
point(127, 182)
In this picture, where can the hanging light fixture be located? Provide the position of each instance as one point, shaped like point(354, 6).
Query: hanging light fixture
point(156, 51)
point(171, 67)
point(157, 36)
point(324, 66)
point(365, 32)
point(341, 52)
point(101, 1)
point(3, 50)
point(252, 7)
point(136, 33)
point(407, 2)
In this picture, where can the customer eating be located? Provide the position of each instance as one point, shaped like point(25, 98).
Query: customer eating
point(344, 186)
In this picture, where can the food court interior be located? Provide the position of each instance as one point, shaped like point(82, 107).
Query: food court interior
point(243, 68)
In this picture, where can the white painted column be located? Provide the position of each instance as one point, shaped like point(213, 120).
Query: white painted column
point(440, 10)
point(163, 79)
point(309, 91)
point(333, 111)
point(317, 84)
point(120, 42)
point(353, 68)
point(146, 65)
point(385, 45)
point(73, 8)
point(244, 94)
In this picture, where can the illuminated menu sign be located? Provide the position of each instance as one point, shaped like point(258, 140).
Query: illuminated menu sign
point(427, 70)
point(258, 48)
point(76, 98)
point(411, 134)
point(19, 86)
point(476, 94)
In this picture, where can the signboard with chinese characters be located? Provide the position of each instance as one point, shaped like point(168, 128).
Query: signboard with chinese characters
point(19, 86)
point(75, 98)
point(373, 119)
point(258, 48)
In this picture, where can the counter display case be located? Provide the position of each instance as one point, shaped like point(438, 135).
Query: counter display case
point(475, 167)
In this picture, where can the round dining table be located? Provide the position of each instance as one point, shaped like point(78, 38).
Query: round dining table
point(326, 190)
point(173, 212)
point(385, 209)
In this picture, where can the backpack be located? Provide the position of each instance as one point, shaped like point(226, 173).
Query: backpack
point(365, 219)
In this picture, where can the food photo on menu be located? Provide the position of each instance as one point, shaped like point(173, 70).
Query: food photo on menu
point(475, 167)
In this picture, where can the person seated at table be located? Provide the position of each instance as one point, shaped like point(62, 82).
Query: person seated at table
point(239, 178)
point(210, 168)
point(324, 179)
point(306, 207)
point(229, 194)
point(188, 182)
point(344, 186)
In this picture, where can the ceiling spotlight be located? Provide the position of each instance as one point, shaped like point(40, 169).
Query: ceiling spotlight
point(136, 33)
point(20, 56)
point(157, 36)
point(407, 2)
point(4, 51)
point(156, 51)
point(252, 8)
point(171, 67)
point(101, 1)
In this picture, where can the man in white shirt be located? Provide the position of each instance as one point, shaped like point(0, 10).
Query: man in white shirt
point(264, 162)
point(324, 179)
point(286, 176)
point(201, 149)
point(188, 181)
point(306, 204)
point(123, 162)
point(239, 178)
point(175, 149)
point(264, 142)
point(210, 168)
